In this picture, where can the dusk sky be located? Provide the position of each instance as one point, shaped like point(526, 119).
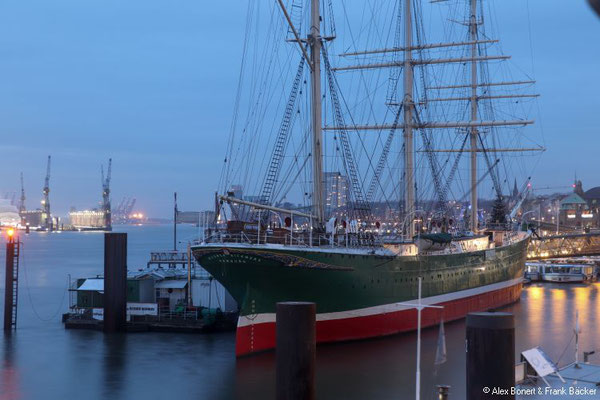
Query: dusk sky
point(152, 84)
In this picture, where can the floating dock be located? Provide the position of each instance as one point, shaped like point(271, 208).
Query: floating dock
point(579, 381)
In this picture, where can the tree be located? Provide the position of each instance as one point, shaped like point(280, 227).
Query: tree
point(499, 211)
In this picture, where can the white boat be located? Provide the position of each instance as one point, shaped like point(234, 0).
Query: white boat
point(532, 272)
point(555, 272)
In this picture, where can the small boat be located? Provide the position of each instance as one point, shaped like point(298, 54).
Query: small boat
point(532, 272)
point(558, 272)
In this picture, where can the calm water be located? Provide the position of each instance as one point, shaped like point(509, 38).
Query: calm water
point(45, 361)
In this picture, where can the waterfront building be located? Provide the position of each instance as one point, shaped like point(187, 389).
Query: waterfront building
point(88, 219)
point(336, 191)
point(575, 212)
point(33, 218)
point(9, 214)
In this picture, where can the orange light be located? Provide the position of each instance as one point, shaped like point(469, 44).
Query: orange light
point(10, 232)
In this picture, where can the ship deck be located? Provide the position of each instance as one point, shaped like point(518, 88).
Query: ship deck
point(380, 250)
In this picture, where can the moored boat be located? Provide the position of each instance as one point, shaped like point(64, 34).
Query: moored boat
point(562, 272)
point(361, 265)
point(358, 291)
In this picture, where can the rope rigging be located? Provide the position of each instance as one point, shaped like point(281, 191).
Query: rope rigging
point(282, 139)
point(360, 206)
point(375, 181)
point(433, 165)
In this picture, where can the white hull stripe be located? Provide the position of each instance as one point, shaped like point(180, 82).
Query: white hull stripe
point(247, 320)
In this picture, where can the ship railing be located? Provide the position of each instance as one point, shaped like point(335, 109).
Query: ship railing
point(297, 238)
point(165, 313)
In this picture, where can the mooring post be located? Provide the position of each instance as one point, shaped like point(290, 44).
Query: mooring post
point(443, 391)
point(9, 283)
point(115, 281)
point(490, 355)
point(295, 351)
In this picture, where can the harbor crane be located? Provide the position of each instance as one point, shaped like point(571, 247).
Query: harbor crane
point(106, 195)
point(22, 202)
point(46, 201)
point(521, 197)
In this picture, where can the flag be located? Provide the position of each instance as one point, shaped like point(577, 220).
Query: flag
point(440, 354)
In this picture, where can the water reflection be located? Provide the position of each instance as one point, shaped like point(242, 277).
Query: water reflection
point(9, 373)
point(536, 302)
point(385, 368)
point(114, 365)
point(42, 360)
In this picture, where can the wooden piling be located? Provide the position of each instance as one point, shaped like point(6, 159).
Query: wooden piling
point(115, 282)
point(442, 392)
point(296, 350)
point(8, 286)
point(490, 355)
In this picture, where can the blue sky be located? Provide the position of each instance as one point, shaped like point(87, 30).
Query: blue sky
point(152, 83)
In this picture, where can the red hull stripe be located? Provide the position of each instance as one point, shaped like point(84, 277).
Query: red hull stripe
point(256, 337)
point(387, 308)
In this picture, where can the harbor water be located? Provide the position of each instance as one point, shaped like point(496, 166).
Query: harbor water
point(42, 360)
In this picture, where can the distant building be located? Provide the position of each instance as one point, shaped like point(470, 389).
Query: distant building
point(578, 188)
point(514, 196)
point(188, 217)
point(592, 196)
point(33, 218)
point(9, 214)
point(237, 191)
point(336, 191)
point(87, 219)
point(575, 212)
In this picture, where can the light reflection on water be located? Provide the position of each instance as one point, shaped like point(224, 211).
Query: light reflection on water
point(42, 360)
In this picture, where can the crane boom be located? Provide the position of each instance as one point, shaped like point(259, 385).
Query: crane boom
point(46, 201)
point(520, 199)
point(106, 207)
point(22, 199)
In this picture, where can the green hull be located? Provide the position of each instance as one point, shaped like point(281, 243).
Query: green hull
point(259, 276)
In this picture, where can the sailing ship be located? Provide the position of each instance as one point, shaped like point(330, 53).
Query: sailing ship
point(362, 268)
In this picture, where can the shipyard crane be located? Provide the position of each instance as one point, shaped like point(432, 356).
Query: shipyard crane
point(46, 201)
point(520, 199)
point(22, 199)
point(106, 195)
point(129, 208)
point(551, 188)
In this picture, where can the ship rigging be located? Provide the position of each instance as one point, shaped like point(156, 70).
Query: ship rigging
point(478, 136)
point(349, 196)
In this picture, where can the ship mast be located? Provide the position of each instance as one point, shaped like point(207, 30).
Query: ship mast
point(314, 40)
point(409, 199)
point(474, 219)
point(411, 121)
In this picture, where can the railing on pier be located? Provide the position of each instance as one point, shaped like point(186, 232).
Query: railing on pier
point(170, 258)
